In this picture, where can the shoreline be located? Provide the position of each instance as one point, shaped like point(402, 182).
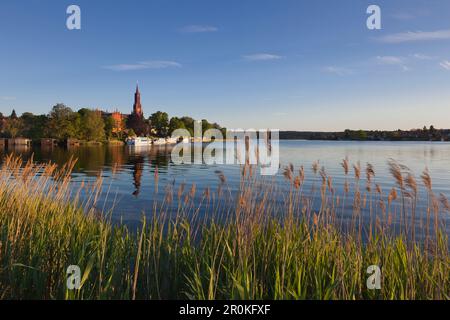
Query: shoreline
point(257, 253)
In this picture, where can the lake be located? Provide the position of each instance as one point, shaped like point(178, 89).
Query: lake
point(129, 173)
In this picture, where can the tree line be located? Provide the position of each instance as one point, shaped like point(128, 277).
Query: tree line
point(62, 123)
point(424, 134)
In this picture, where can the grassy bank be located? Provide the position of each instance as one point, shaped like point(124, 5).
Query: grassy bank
point(259, 249)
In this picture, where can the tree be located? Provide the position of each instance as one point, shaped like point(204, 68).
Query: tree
point(28, 123)
point(189, 124)
point(63, 123)
point(347, 134)
point(92, 125)
point(432, 129)
point(2, 122)
point(160, 122)
point(355, 135)
point(361, 135)
point(206, 126)
point(131, 133)
point(138, 124)
point(13, 127)
point(109, 127)
point(33, 126)
point(175, 123)
point(217, 126)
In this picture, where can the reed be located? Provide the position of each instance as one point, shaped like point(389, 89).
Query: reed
point(247, 245)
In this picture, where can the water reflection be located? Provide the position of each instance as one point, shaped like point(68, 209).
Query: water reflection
point(131, 170)
point(138, 168)
point(20, 149)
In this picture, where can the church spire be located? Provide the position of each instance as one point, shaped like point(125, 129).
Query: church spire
point(137, 107)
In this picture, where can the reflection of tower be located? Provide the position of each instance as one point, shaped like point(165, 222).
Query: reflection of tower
point(138, 168)
point(137, 107)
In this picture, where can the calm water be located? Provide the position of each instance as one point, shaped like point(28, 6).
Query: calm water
point(132, 188)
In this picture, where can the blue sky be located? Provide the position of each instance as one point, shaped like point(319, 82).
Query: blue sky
point(286, 64)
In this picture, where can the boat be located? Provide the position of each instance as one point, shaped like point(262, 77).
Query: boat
point(172, 140)
point(159, 142)
point(178, 139)
point(139, 141)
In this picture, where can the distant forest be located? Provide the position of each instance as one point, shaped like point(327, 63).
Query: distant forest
point(425, 134)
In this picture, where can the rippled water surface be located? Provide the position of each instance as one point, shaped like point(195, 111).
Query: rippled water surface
point(129, 172)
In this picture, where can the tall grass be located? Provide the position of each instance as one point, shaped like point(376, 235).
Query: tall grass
point(247, 245)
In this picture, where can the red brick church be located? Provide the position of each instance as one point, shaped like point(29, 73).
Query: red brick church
point(120, 119)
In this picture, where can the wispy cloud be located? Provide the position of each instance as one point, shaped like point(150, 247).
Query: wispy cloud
point(156, 64)
point(420, 56)
point(445, 64)
point(416, 36)
point(198, 29)
point(7, 98)
point(337, 70)
point(262, 57)
point(393, 61)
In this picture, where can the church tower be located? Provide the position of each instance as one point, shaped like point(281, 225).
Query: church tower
point(137, 107)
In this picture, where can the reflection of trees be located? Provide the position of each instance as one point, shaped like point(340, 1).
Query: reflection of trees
point(160, 156)
point(23, 150)
point(115, 158)
point(138, 169)
point(91, 159)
